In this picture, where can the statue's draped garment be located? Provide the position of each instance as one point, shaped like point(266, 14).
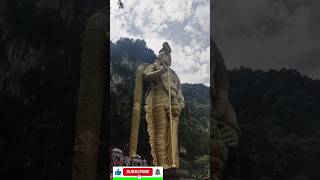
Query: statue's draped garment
point(163, 144)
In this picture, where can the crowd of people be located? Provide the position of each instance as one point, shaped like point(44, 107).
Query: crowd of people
point(118, 159)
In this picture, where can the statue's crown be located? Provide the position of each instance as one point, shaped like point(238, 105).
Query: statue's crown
point(166, 48)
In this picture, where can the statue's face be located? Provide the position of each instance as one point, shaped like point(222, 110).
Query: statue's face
point(164, 59)
point(167, 60)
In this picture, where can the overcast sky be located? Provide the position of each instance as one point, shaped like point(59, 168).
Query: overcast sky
point(265, 34)
point(184, 24)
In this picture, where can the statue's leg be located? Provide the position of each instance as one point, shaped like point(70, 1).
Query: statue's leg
point(173, 139)
point(219, 153)
point(161, 128)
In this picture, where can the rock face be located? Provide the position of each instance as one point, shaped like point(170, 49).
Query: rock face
point(40, 53)
point(278, 113)
point(34, 31)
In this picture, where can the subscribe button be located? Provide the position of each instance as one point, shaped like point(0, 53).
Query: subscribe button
point(137, 171)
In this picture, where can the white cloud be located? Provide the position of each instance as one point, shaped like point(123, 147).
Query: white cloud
point(184, 24)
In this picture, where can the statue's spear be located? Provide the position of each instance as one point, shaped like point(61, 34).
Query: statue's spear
point(171, 121)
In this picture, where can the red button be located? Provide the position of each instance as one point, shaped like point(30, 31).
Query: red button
point(137, 172)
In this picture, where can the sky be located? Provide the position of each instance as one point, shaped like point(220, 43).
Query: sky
point(184, 24)
point(269, 34)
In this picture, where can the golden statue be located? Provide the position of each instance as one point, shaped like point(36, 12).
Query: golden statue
point(164, 102)
point(225, 131)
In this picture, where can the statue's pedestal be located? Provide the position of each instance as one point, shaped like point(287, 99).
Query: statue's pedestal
point(176, 174)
